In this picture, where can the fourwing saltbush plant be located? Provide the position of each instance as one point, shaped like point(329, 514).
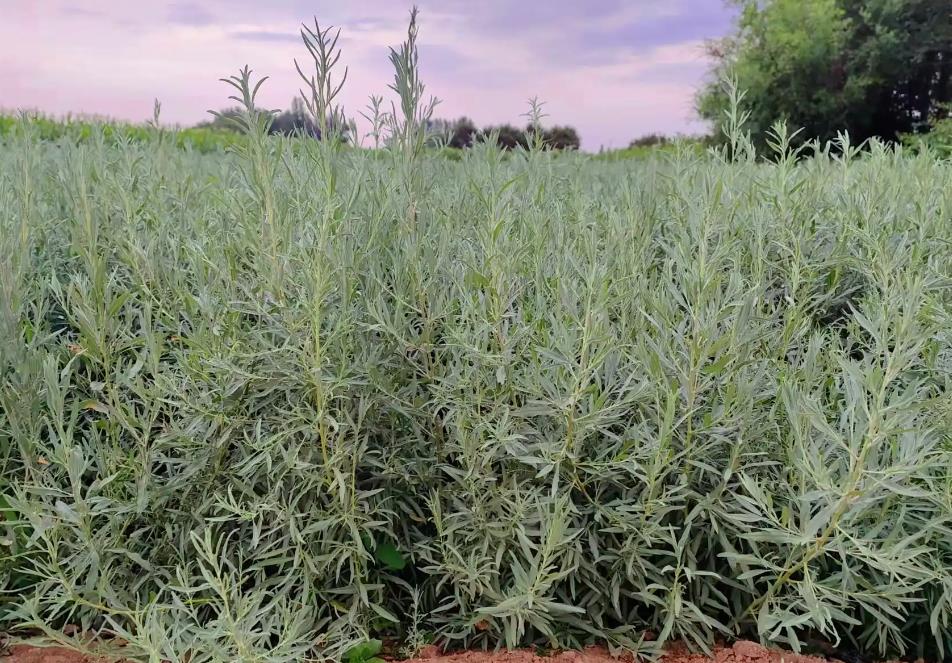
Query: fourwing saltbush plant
point(250, 414)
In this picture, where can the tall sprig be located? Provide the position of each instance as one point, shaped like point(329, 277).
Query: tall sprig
point(321, 90)
point(259, 163)
point(409, 125)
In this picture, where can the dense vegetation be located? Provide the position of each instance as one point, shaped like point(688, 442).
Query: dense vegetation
point(39, 127)
point(275, 402)
point(878, 68)
point(939, 137)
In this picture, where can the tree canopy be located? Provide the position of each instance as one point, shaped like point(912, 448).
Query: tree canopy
point(870, 67)
point(463, 133)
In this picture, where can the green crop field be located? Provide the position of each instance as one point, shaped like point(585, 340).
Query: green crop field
point(276, 401)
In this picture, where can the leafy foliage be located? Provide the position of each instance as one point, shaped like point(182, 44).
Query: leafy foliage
point(561, 138)
point(509, 137)
point(938, 138)
point(655, 145)
point(464, 133)
point(295, 122)
point(651, 140)
point(457, 134)
point(39, 127)
point(506, 136)
point(388, 555)
point(365, 652)
point(269, 404)
point(869, 67)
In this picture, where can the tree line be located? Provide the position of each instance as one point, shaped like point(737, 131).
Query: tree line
point(463, 133)
point(458, 134)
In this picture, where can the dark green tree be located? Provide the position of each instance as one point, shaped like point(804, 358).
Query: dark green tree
point(561, 138)
point(463, 133)
point(650, 140)
point(508, 137)
point(870, 67)
point(295, 121)
point(455, 133)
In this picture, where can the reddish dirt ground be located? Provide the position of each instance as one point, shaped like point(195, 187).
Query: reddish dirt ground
point(740, 652)
point(28, 654)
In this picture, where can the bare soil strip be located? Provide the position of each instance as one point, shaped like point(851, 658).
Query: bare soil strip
point(740, 652)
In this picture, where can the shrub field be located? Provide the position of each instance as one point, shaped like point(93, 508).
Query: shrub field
point(272, 403)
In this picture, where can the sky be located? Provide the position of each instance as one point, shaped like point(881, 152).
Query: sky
point(613, 69)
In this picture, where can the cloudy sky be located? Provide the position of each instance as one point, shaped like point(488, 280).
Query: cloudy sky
point(614, 69)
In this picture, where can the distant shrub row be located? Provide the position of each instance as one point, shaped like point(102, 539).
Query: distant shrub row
point(218, 134)
point(201, 139)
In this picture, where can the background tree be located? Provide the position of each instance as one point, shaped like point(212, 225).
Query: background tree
point(295, 121)
point(871, 67)
point(456, 133)
point(561, 138)
point(900, 52)
point(554, 138)
point(463, 134)
point(650, 140)
point(437, 131)
point(508, 137)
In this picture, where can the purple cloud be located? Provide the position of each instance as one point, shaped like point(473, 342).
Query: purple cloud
point(266, 36)
point(190, 13)
point(80, 12)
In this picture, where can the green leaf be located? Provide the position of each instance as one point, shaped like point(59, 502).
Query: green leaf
point(386, 614)
point(365, 652)
point(388, 555)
